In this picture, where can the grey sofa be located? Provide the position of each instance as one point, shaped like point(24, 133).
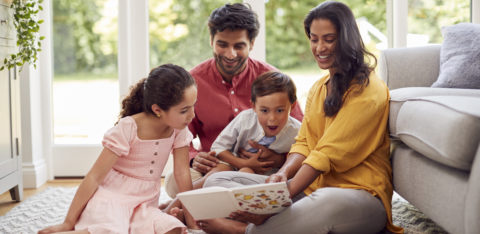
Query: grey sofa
point(435, 136)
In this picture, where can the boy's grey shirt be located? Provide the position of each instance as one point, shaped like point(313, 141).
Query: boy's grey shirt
point(246, 127)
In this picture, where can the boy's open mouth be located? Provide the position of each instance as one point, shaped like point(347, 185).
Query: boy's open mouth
point(273, 128)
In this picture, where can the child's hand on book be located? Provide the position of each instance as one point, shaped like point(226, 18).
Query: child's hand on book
point(248, 217)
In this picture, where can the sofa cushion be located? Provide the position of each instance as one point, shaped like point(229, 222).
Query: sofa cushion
point(399, 96)
point(443, 128)
point(460, 57)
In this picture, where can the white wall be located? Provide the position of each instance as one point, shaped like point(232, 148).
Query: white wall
point(259, 48)
point(36, 115)
point(476, 11)
point(133, 43)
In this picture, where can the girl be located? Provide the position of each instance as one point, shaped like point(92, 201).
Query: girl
point(120, 192)
point(339, 168)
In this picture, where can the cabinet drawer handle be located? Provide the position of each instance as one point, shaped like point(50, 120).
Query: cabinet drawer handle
point(3, 21)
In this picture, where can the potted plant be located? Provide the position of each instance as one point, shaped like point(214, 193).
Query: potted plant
point(27, 26)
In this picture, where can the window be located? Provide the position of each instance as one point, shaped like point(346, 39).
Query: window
point(179, 33)
point(289, 50)
point(427, 17)
point(85, 84)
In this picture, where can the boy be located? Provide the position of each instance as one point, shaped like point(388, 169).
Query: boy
point(268, 122)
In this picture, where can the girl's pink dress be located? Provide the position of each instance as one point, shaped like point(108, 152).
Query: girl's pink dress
point(127, 200)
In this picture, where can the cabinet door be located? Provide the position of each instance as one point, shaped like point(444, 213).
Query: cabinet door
point(7, 162)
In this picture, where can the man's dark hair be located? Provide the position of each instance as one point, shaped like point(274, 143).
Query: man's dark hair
point(234, 16)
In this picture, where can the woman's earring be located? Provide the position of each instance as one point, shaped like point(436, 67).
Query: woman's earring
point(159, 115)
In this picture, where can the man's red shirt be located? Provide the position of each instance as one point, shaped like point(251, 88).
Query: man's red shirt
point(218, 102)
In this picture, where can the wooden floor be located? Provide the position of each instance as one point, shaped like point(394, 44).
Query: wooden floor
point(6, 203)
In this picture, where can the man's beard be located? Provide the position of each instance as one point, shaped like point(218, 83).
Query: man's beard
point(232, 71)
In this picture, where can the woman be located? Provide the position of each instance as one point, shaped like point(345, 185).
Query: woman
point(338, 170)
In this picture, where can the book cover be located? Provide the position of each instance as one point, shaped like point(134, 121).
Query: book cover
point(217, 202)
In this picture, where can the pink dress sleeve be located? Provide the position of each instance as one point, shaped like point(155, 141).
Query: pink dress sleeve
point(182, 138)
point(119, 138)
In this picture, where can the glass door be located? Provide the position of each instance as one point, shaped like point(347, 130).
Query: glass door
point(288, 48)
point(85, 87)
point(427, 17)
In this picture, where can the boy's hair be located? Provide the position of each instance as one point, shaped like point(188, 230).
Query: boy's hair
point(234, 16)
point(273, 82)
point(164, 86)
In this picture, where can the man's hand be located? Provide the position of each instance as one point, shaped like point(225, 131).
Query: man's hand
point(266, 154)
point(252, 161)
point(204, 162)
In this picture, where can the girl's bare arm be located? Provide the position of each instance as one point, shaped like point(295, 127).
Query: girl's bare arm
point(87, 188)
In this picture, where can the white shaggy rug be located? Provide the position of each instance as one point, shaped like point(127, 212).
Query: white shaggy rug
point(44, 209)
point(41, 210)
point(50, 207)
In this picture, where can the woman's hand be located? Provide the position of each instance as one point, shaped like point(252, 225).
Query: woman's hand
point(247, 217)
point(277, 177)
point(204, 162)
point(57, 228)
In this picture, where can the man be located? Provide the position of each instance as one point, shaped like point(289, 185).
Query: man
point(224, 84)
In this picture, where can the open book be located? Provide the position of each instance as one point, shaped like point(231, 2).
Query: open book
point(218, 202)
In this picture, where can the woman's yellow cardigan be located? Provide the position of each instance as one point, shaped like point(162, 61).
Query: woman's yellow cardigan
point(352, 148)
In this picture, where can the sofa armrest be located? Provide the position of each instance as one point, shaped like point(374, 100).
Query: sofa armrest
point(410, 67)
point(472, 203)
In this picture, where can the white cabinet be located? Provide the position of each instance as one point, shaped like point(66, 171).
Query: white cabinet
point(10, 140)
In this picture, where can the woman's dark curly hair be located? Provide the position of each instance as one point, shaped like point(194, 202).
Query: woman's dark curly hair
point(350, 52)
point(164, 86)
point(273, 82)
point(234, 16)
